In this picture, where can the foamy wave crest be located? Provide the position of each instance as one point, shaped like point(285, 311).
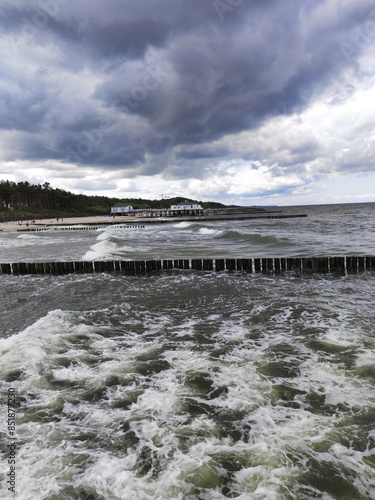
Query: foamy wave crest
point(210, 232)
point(182, 224)
point(102, 250)
point(104, 234)
point(28, 237)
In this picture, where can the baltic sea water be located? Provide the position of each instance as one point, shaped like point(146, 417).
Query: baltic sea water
point(187, 384)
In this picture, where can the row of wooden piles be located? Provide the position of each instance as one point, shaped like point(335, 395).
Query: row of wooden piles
point(347, 264)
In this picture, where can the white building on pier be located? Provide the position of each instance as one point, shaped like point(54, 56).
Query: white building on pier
point(182, 210)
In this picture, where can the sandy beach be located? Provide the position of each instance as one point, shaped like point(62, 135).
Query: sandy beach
point(27, 225)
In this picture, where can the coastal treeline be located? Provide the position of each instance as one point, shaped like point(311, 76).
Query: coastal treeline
point(23, 198)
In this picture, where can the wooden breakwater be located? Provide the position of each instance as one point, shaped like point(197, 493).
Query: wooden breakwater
point(140, 224)
point(218, 218)
point(298, 265)
point(81, 228)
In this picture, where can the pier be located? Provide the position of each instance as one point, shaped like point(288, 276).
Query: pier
point(276, 265)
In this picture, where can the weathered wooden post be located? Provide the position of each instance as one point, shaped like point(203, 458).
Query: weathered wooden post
point(99, 266)
point(150, 266)
point(248, 265)
point(315, 264)
point(88, 266)
point(51, 267)
point(277, 264)
point(127, 267)
point(6, 268)
point(22, 268)
point(39, 267)
point(60, 268)
point(48, 267)
point(15, 268)
point(131, 267)
point(230, 264)
point(68, 267)
point(245, 265)
point(208, 264)
point(168, 264)
point(78, 266)
point(109, 266)
point(351, 264)
point(307, 265)
point(361, 263)
point(140, 267)
point(219, 265)
point(257, 266)
point(337, 264)
point(30, 268)
point(196, 264)
point(295, 264)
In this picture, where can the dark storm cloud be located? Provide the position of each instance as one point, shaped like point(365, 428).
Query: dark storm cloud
point(197, 152)
point(165, 74)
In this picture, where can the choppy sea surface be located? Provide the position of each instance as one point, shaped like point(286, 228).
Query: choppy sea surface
point(191, 384)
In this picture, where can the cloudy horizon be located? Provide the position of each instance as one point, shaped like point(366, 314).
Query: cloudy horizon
point(252, 102)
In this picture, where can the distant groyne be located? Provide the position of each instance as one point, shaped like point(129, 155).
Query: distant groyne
point(79, 227)
point(276, 265)
point(140, 223)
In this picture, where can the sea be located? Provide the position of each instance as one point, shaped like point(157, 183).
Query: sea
point(184, 384)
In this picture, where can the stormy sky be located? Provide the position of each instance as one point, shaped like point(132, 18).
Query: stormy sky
point(251, 102)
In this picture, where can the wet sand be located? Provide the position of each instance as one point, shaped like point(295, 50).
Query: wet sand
point(98, 219)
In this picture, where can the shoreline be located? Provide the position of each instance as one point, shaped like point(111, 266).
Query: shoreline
point(39, 223)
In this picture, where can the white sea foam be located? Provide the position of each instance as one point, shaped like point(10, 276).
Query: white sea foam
point(186, 384)
point(104, 235)
point(28, 236)
point(182, 225)
point(207, 231)
point(103, 250)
